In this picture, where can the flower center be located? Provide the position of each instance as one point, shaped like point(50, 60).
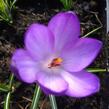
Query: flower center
point(55, 62)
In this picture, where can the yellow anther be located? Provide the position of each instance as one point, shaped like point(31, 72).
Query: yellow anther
point(55, 62)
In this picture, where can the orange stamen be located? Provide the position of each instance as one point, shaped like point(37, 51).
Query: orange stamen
point(55, 62)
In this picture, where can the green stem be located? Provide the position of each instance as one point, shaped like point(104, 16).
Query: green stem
point(36, 97)
point(94, 30)
point(96, 70)
point(53, 102)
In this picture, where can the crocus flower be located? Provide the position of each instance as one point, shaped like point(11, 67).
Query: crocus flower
point(55, 57)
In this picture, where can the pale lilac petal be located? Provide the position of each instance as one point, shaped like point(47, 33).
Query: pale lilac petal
point(51, 83)
point(48, 91)
point(26, 67)
point(66, 28)
point(39, 41)
point(81, 83)
point(81, 54)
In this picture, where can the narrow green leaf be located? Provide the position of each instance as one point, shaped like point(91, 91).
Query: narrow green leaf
point(35, 101)
point(6, 7)
point(12, 4)
point(4, 87)
point(53, 102)
point(7, 101)
point(94, 30)
point(8, 96)
point(11, 80)
point(96, 70)
point(67, 4)
point(2, 5)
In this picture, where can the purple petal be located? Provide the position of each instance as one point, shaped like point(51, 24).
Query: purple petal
point(51, 84)
point(81, 83)
point(39, 41)
point(48, 91)
point(26, 68)
point(81, 54)
point(66, 28)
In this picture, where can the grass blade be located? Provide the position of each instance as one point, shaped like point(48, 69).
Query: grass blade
point(36, 97)
point(53, 102)
point(7, 101)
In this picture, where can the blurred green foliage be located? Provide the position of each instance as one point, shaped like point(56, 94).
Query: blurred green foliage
point(6, 7)
point(67, 4)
